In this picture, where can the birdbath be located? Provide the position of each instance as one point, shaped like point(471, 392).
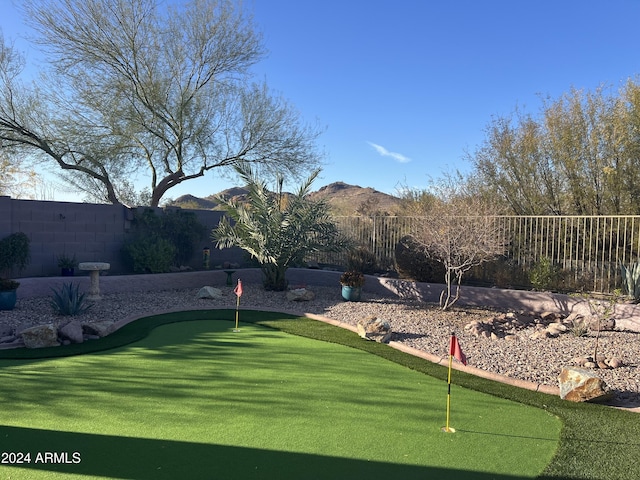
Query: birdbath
point(94, 269)
point(229, 277)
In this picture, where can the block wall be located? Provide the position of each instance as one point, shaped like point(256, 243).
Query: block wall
point(91, 232)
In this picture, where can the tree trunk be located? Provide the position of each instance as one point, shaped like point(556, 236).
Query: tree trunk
point(274, 277)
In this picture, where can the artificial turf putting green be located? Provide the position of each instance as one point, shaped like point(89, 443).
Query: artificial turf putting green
point(196, 400)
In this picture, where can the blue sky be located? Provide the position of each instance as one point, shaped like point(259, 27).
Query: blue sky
point(404, 88)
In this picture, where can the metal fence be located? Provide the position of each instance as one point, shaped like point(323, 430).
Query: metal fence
point(587, 249)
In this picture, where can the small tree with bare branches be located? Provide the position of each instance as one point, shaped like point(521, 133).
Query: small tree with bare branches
point(458, 230)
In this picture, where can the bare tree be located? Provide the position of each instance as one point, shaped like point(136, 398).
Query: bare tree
point(458, 230)
point(137, 90)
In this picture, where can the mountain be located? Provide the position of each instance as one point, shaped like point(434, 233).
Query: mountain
point(349, 200)
point(193, 202)
point(343, 198)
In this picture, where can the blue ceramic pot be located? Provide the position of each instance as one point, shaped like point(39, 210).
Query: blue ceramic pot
point(7, 299)
point(351, 294)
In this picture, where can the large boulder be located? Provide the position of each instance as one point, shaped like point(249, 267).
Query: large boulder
point(580, 385)
point(300, 295)
point(372, 328)
point(210, 292)
point(71, 332)
point(40, 336)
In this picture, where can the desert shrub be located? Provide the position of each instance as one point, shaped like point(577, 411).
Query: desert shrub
point(149, 255)
point(579, 328)
point(545, 275)
point(184, 231)
point(414, 263)
point(69, 301)
point(158, 242)
point(14, 252)
point(362, 259)
point(502, 272)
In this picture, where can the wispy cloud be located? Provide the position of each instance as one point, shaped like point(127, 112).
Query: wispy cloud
point(398, 157)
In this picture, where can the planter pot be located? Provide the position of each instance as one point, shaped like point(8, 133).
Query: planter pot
point(66, 272)
point(7, 299)
point(351, 294)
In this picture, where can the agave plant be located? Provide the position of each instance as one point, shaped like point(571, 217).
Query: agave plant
point(277, 229)
point(69, 301)
point(631, 280)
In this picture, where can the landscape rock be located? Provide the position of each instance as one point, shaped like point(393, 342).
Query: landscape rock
point(580, 385)
point(97, 329)
point(40, 336)
point(372, 328)
point(300, 295)
point(602, 362)
point(550, 317)
point(540, 334)
point(7, 339)
point(606, 325)
point(72, 332)
point(614, 362)
point(210, 293)
point(555, 329)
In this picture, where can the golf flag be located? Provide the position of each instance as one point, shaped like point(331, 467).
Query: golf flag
point(238, 289)
point(456, 351)
point(238, 292)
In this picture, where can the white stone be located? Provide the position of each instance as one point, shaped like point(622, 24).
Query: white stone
point(210, 293)
point(300, 295)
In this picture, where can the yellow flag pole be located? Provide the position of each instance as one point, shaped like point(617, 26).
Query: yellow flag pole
point(446, 428)
point(237, 309)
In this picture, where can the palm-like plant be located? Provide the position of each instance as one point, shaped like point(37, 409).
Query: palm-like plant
point(278, 230)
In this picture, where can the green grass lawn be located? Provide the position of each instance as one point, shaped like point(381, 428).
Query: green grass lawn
point(167, 398)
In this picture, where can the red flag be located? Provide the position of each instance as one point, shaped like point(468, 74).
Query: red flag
point(456, 351)
point(238, 289)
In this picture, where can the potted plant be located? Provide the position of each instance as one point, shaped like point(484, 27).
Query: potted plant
point(67, 265)
point(14, 253)
point(352, 283)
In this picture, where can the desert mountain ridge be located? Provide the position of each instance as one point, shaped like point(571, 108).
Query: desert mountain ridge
point(344, 199)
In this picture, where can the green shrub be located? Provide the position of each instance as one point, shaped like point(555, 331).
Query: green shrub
point(158, 242)
point(183, 230)
point(69, 301)
point(545, 275)
point(149, 255)
point(14, 252)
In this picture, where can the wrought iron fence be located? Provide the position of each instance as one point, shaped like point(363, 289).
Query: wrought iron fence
point(587, 249)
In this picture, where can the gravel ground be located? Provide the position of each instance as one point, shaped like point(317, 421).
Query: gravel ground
point(419, 325)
